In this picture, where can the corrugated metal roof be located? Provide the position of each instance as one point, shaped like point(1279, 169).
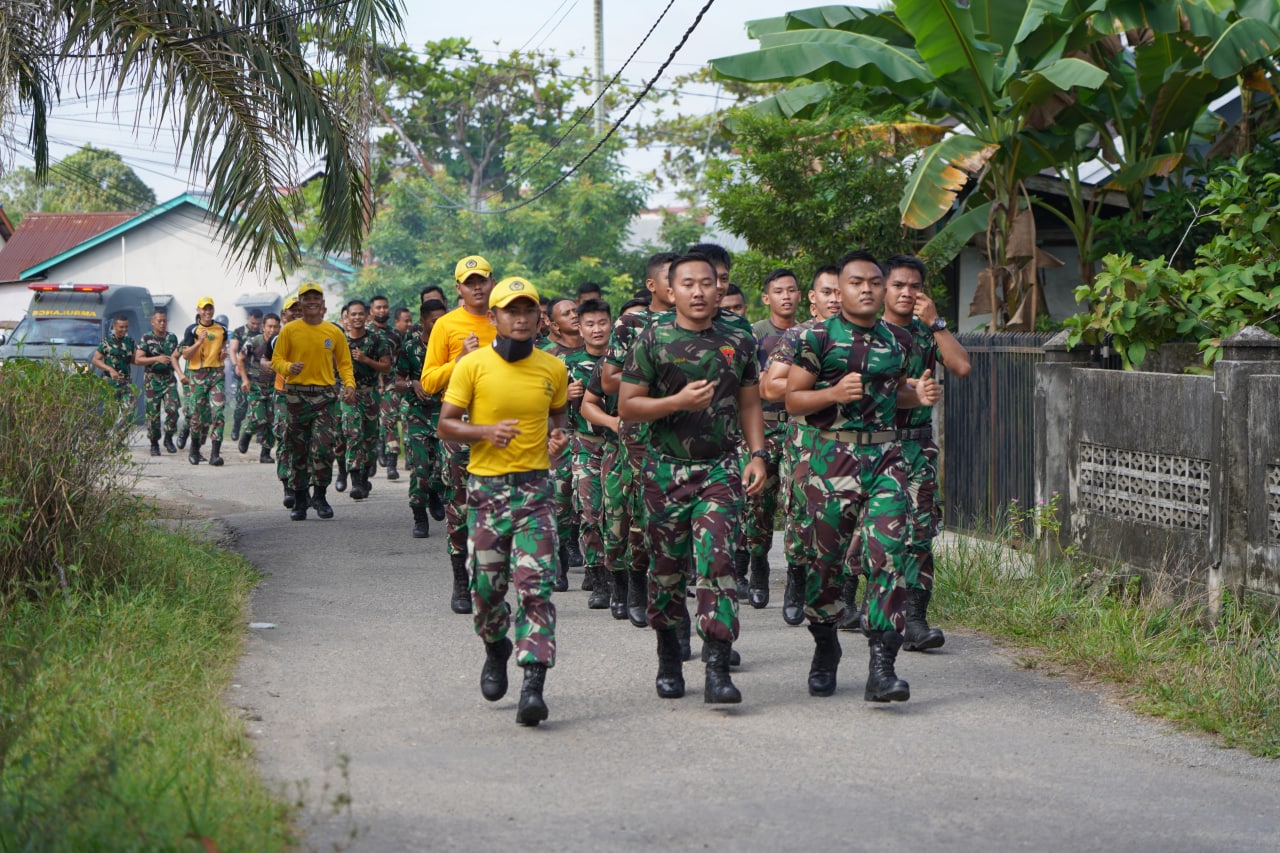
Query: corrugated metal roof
point(40, 236)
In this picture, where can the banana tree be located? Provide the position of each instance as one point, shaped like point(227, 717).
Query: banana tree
point(1000, 71)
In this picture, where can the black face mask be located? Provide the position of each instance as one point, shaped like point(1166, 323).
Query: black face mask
point(512, 350)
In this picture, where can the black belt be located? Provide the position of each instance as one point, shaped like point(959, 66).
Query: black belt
point(859, 438)
point(775, 417)
point(308, 389)
point(923, 433)
point(517, 479)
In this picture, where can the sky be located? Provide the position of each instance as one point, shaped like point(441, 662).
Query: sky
point(560, 27)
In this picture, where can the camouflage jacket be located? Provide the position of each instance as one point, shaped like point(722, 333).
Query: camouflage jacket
point(785, 351)
point(666, 357)
point(581, 366)
point(837, 347)
point(118, 354)
point(922, 354)
point(623, 337)
point(374, 345)
point(153, 345)
point(408, 366)
point(608, 402)
point(768, 336)
point(253, 351)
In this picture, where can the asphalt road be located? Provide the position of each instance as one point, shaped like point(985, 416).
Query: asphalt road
point(367, 669)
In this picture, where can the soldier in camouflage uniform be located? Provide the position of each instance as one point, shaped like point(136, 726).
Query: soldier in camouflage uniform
point(306, 353)
point(113, 357)
point(693, 379)
point(258, 385)
point(388, 450)
point(782, 295)
point(239, 337)
point(510, 391)
point(587, 451)
point(284, 467)
point(566, 340)
point(159, 384)
point(204, 346)
point(370, 358)
point(909, 309)
point(421, 412)
point(624, 528)
point(848, 381)
point(824, 300)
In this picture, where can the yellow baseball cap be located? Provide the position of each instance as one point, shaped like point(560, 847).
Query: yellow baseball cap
point(510, 289)
point(204, 301)
point(471, 265)
point(309, 287)
point(290, 302)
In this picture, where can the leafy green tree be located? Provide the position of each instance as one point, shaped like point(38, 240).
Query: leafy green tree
point(91, 179)
point(249, 102)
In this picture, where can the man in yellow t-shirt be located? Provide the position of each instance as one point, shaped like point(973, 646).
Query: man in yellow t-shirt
point(305, 354)
point(515, 396)
point(462, 331)
point(204, 346)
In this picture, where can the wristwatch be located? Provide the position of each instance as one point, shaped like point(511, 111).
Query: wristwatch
point(938, 325)
point(760, 454)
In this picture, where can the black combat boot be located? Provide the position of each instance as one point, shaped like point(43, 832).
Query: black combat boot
point(532, 709)
point(638, 599)
point(340, 483)
point(242, 444)
point(618, 601)
point(461, 601)
point(575, 552)
point(588, 576)
point(759, 585)
point(392, 472)
point(215, 454)
point(298, 509)
point(741, 560)
point(265, 456)
point(168, 443)
point(320, 502)
point(599, 598)
point(719, 688)
point(421, 526)
point(851, 619)
point(919, 636)
point(235, 428)
point(288, 500)
point(826, 659)
point(369, 471)
point(883, 684)
point(562, 569)
point(183, 435)
point(493, 677)
point(684, 632)
point(793, 596)
point(670, 680)
point(735, 659)
point(193, 452)
point(155, 447)
point(358, 489)
point(435, 505)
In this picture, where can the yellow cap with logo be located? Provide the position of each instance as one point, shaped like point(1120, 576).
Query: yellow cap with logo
point(204, 302)
point(290, 302)
point(510, 289)
point(471, 265)
point(309, 287)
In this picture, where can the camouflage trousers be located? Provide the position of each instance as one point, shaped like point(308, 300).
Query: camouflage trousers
point(622, 524)
point(281, 419)
point(857, 493)
point(793, 468)
point(514, 542)
point(241, 410)
point(161, 393)
point(259, 416)
point(691, 509)
point(310, 430)
point(562, 479)
point(926, 511)
point(456, 459)
point(422, 451)
point(206, 400)
point(389, 401)
point(763, 507)
point(360, 429)
point(588, 482)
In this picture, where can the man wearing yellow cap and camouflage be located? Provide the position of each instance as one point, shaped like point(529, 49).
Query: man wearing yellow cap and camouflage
point(204, 346)
point(307, 352)
point(515, 396)
point(462, 331)
point(289, 312)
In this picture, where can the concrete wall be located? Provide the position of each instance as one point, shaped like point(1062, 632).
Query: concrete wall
point(1168, 472)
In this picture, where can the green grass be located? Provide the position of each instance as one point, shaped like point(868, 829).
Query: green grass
point(1156, 643)
point(113, 730)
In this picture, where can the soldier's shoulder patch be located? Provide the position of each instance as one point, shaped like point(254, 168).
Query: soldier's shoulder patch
point(728, 352)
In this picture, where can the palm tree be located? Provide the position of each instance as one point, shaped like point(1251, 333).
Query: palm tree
point(250, 98)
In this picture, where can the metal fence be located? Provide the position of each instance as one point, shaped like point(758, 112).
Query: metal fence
point(988, 452)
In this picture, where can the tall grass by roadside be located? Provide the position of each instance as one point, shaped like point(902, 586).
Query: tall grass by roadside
point(1147, 635)
point(117, 639)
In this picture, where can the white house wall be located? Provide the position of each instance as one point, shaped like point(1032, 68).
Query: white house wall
point(1059, 288)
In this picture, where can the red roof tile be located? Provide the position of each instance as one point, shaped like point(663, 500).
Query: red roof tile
point(41, 236)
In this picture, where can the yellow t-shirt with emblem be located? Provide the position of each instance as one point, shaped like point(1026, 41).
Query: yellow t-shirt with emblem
point(492, 389)
point(320, 348)
point(211, 350)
